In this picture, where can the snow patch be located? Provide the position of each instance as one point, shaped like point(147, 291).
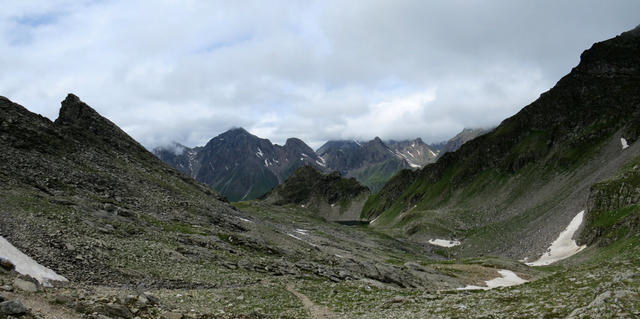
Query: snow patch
point(413, 164)
point(302, 231)
point(508, 278)
point(357, 143)
point(259, 153)
point(444, 242)
point(564, 246)
point(27, 266)
point(432, 153)
point(302, 240)
point(624, 143)
point(321, 164)
point(243, 219)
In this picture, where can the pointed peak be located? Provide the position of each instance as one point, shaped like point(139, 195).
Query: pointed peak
point(378, 140)
point(74, 111)
point(71, 99)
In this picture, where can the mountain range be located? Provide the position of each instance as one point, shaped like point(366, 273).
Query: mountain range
point(545, 207)
point(243, 166)
point(240, 165)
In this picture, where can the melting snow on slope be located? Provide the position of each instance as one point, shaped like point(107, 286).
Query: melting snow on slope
point(509, 278)
point(624, 143)
point(444, 242)
point(564, 246)
point(27, 266)
point(243, 219)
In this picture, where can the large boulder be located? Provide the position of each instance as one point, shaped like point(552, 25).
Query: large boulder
point(12, 308)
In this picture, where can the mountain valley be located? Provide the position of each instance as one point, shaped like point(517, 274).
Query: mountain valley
point(243, 228)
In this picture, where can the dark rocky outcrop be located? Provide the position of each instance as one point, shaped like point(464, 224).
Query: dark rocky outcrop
point(333, 197)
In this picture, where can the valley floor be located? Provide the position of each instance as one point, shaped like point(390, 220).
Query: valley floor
point(597, 282)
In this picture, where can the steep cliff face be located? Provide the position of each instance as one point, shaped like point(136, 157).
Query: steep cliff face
point(614, 208)
point(534, 171)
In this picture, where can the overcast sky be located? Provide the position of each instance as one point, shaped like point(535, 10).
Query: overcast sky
point(317, 70)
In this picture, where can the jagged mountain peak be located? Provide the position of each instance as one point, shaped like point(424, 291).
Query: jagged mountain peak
point(80, 119)
point(240, 165)
point(74, 111)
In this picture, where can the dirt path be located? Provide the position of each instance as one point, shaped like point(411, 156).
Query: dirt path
point(316, 311)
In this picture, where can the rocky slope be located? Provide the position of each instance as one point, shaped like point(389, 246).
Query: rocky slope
point(514, 189)
point(238, 164)
point(333, 197)
point(82, 198)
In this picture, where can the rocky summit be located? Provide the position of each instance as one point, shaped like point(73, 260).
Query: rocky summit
point(537, 218)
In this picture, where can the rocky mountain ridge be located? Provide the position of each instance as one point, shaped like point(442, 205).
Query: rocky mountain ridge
point(242, 166)
point(528, 177)
point(239, 164)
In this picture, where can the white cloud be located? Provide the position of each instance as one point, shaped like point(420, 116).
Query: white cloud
point(317, 70)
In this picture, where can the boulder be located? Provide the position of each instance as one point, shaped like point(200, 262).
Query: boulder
point(6, 264)
point(117, 311)
point(25, 285)
point(12, 308)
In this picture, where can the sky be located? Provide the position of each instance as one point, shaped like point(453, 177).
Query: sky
point(187, 71)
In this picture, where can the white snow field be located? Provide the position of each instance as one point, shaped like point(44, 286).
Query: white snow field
point(27, 266)
point(564, 246)
point(509, 278)
point(624, 143)
point(444, 242)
